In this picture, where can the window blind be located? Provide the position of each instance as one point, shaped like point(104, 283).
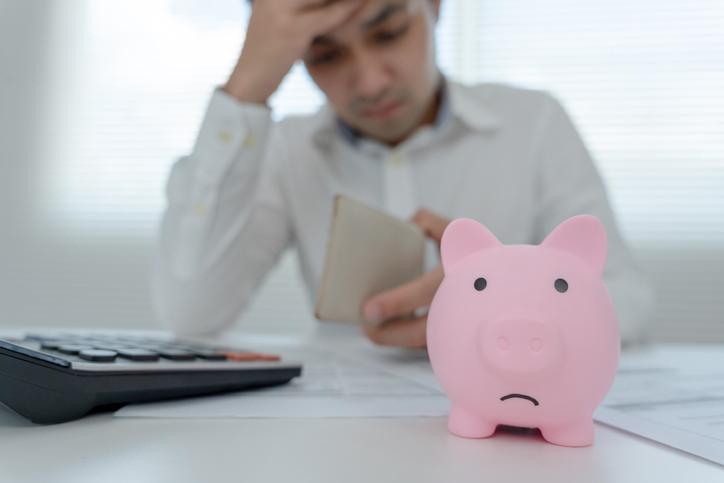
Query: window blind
point(128, 84)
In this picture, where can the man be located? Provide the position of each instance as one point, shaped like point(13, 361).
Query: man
point(394, 133)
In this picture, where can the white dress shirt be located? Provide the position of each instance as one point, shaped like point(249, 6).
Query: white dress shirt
point(507, 157)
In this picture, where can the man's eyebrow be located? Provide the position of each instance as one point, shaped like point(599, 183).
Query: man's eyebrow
point(383, 15)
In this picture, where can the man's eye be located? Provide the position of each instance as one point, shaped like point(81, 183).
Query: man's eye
point(324, 58)
point(385, 36)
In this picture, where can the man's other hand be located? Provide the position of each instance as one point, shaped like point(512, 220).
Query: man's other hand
point(392, 314)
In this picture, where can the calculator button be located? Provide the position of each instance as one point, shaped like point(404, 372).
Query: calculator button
point(241, 356)
point(269, 357)
point(210, 355)
point(142, 355)
point(97, 355)
point(52, 344)
point(112, 347)
point(149, 347)
point(249, 356)
point(176, 355)
point(73, 349)
point(177, 347)
point(38, 337)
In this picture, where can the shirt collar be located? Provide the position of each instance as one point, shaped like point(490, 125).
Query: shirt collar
point(458, 102)
point(472, 108)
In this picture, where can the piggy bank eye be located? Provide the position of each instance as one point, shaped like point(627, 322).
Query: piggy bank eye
point(561, 285)
point(480, 284)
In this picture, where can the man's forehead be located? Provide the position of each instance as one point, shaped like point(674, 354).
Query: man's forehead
point(374, 12)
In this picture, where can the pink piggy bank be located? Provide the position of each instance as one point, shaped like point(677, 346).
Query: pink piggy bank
point(524, 335)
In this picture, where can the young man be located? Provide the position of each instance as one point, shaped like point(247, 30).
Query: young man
point(393, 133)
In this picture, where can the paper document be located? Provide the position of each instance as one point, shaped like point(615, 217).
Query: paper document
point(673, 396)
point(332, 385)
point(670, 394)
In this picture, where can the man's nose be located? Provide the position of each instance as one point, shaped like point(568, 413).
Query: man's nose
point(371, 75)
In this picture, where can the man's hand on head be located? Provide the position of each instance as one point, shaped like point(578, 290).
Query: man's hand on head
point(278, 34)
point(393, 315)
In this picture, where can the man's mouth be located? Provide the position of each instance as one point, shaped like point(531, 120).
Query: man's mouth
point(382, 110)
point(520, 396)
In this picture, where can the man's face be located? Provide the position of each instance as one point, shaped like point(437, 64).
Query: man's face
point(378, 70)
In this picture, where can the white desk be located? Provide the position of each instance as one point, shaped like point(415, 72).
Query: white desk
point(101, 448)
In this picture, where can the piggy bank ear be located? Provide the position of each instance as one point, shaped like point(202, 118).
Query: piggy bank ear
point(462, 237)
point(583, 236)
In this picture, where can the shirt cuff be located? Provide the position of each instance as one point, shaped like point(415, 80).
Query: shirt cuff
point(229, 127)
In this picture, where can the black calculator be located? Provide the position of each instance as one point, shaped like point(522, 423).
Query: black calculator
point(53, 378)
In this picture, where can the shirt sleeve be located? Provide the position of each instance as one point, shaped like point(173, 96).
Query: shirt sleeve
point(569, 185)
point(226, 223)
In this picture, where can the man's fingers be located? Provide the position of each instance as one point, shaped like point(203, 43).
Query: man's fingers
point(432, 224)
point(325, 17)
point(399, 333)
point(403, 300)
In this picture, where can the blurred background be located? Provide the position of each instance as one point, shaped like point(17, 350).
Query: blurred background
point(98, 98)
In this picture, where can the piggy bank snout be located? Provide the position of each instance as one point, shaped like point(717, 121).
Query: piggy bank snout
point(521, 345)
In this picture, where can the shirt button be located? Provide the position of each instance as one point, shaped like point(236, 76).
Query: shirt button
point(396, 160)
point(249, 141)
point(225, 137)
point(200, 209)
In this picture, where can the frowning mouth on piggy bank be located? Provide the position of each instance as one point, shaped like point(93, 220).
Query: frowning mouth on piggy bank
point(520, 396)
